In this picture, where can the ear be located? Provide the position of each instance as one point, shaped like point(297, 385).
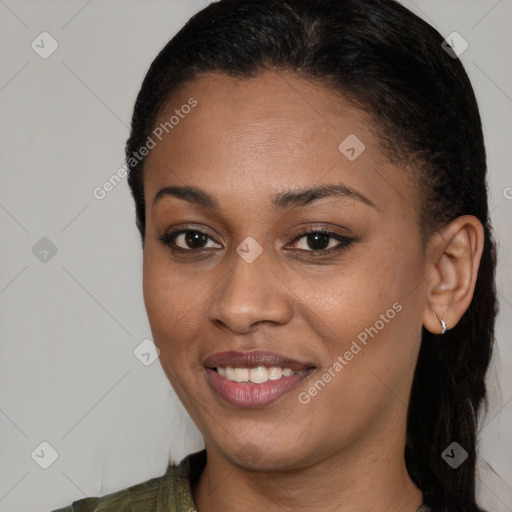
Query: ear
point(454, 255)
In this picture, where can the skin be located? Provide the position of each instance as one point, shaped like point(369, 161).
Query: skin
point(246, 141)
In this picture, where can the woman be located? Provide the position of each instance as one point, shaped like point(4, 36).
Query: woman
point(310, 187)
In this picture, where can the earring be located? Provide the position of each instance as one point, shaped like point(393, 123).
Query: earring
point(443, 323)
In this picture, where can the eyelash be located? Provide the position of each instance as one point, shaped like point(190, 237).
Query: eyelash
point(344, 242)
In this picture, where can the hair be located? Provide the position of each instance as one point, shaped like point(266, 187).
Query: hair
point(390, 64)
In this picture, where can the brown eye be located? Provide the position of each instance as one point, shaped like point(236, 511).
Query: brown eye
point(321, 241)
point(188, 240)
point(194, 239)
point(318, 240)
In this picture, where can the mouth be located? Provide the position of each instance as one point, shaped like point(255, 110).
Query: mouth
point(254, 379)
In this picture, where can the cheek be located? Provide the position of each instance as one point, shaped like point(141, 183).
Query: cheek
point(363, 312)
point(171, 301)
point(172, 304)
point(341, 303)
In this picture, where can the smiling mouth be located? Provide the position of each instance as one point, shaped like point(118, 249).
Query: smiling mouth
point(254, 379)
point(258, 374)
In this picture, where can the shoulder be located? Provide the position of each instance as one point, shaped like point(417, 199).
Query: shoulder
point(167, 493)
point(141, 497)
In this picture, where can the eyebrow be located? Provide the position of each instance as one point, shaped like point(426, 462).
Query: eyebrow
point(281, 201)
point(298, 198)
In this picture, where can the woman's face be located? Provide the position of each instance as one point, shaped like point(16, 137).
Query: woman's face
point(242, 291)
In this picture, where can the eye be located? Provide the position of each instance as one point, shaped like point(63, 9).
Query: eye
point(321, 241)
point(188, 240)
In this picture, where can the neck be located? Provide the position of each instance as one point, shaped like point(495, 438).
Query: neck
point(354, 479)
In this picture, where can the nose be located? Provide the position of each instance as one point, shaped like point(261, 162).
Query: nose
point(251, 293)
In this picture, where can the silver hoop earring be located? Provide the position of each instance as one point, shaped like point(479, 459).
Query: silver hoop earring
point(443, 324)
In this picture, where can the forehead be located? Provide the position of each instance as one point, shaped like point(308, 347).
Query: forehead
point(275, 113)
point(268, 133)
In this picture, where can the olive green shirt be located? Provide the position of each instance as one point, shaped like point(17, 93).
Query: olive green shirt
point(170, 492)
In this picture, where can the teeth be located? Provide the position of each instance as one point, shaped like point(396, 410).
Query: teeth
point(275, 373)
point(256, 375)
point(241, 374)
point(228, 371)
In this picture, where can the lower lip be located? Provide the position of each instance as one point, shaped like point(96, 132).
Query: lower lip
point(244, 394)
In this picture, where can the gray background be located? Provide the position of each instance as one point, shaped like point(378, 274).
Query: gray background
point(70, 324)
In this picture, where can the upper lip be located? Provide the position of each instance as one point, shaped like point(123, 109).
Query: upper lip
point(252, 359)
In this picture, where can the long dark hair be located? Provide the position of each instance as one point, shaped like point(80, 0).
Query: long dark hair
point(391, 64)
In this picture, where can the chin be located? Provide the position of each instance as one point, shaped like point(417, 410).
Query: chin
point(267, 457)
